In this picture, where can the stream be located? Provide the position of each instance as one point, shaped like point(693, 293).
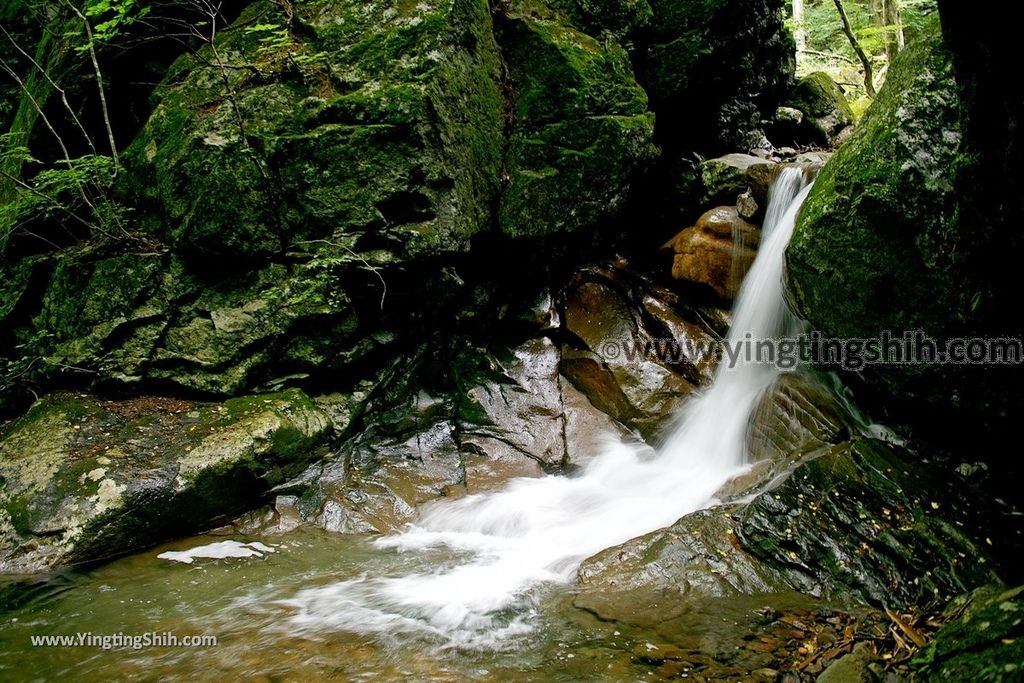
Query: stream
point(476, 588)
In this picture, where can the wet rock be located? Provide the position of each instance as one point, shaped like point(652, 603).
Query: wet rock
point(851, 668)
point(636, 372)
point(515, 416)
point(859, 520)
point(983, 641)
point(699, 556)
point(799, 414)
point(813, 159)
point(746, 206)
point(862, 519)
point(86, 479)
point(716, 252)
point(528, 414)
point(797, 418)
point(725, 178)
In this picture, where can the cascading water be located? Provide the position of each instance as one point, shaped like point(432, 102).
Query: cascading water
point(536, 531)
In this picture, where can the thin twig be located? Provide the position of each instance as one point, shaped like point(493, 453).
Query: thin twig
point(369, 266)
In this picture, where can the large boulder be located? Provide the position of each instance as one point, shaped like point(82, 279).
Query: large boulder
point(369, 123)
point(85, 479)
point(883, 245)
point(122, 319)
point(822, 114)
point(581, 127)
point(716, 252)
point(629, 352)
point(431, 428)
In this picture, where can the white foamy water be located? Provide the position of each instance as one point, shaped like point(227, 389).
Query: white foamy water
point(537, 531)
point(217, 551)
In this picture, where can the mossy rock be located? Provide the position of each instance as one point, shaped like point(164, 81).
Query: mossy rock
point(983, 642)
point(620, 18)
point(856, 520)
point(86, 479)
point(880, 246)
point(877, 234)
point(817, 95)
point(375, 121)
point(826, 112)
point(582, 130)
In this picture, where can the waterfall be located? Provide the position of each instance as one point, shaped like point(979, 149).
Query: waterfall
point(536, 531)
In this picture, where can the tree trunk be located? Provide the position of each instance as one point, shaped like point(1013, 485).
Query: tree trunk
point(886, 14)
point(800, 32)
point(894, 18)
point(869, 76)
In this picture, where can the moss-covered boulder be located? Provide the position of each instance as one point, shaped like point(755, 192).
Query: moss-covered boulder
point(823, 100)
point(85, 479)
point(348, 121)
point(983, 641)
point(818, 114)
point(714, 70)
point(881, 245)
point(134, 317)
point(581, 127)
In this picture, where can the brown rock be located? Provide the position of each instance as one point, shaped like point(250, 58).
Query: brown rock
point(716, 252)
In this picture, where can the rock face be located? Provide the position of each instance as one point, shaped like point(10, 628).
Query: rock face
point(725, 178)
point(306, 177)
point(537, 407)
point(859, 520)
point(85, 479)
point(434, 423)
point(581, 125)
point(881, 245)
point(716, 252)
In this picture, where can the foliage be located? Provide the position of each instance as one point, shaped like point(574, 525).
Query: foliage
point(110, 18)
point(75, 193)
point(275, 41)
point(829, 50)
point(20, 370)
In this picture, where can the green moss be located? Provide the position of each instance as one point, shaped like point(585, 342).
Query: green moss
point(862, 519)
point(562, 74)
point(984, 643)
point(879, 245)
point(818, 95)
point(574, 174)
point(581, 132)
point(876, 238)
point(401, 105)
point(620, 18)
point(84, 478)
